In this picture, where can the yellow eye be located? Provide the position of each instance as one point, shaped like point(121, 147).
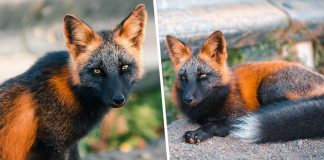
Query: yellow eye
point(202, 75)
point(124, 67)
point(183, 77)
point(97, 71)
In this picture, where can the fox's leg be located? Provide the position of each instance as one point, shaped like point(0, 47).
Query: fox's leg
point(41, 151)
point(206, 131)
point(50, 155)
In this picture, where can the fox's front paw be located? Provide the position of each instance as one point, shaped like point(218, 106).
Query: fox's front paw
point(195, 137)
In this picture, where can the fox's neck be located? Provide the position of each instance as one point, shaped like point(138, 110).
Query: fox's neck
point(87, 112)
point(75, 99)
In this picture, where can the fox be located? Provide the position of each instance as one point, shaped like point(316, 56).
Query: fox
point(48, 108)
point(256, 102)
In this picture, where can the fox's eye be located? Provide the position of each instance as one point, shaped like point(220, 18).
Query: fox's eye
point(202, 75)
point(183, 77)
point(97, 71)
point(124, 67)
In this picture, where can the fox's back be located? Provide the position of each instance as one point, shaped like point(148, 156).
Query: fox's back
point(34, 78)
point(18, 104)
point(263, 82)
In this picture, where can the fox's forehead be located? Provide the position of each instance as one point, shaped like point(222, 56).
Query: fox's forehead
point(112, 53)
point(110, 50)
point(194, 66)
point(109, 54)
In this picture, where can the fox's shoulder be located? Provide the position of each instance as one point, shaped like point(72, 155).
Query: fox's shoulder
point(50, 63)
point(42, 69)
point(52, 59)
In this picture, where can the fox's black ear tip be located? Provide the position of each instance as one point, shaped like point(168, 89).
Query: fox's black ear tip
point(140, 7)
point(169, 37)
point(219, 33)
point(69, 17)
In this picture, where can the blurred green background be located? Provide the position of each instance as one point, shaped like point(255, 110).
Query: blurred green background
point(139, 122)
point(30, 28)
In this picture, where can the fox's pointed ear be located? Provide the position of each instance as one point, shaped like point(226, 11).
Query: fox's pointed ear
point(79, 36)
point(215, 48)
point(179, 51)
point(130, 32)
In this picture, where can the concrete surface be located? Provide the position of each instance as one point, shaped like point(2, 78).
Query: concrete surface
point(230, 148)
point(244, 22)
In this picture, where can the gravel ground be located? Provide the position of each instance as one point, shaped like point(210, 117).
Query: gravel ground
point(230, 148)
point(155, 151)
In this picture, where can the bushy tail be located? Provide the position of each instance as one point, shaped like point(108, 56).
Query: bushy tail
point(283, 121)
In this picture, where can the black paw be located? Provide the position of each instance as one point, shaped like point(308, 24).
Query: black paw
point(195, 137)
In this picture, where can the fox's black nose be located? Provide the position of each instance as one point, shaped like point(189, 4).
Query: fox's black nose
point(188, 99)
point(118, 99)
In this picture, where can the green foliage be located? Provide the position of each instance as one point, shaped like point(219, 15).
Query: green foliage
point(172, 113)
point(137, 123)
point(144, 115)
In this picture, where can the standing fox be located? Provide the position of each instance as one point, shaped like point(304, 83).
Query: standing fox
point(256, 102)
point(47, 109)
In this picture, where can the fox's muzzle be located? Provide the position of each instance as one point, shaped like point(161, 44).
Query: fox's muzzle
point(118, 100)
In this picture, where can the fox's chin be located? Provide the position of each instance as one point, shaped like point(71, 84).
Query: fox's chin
point(116, 105)
point(192, 104)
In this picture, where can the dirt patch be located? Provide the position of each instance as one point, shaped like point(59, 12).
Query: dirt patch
point(231, 148)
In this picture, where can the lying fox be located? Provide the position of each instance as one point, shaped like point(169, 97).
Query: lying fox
point(256, 102)
point(47, 109)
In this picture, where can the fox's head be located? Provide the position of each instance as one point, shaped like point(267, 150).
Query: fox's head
point(109, 61)
point(199, 72)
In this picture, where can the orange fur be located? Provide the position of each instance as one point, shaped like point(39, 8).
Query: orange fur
point(249, 76)
point(215, 49)
point(18, 135)
point(131, 33)
point(214, 54)
point(79, 37)
point(63, 91)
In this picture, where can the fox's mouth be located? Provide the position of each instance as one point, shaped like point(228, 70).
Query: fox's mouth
point(192, 103)
point(116, 105)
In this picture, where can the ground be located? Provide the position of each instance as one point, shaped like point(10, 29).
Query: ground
point(231, 148)
point(155, 151)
